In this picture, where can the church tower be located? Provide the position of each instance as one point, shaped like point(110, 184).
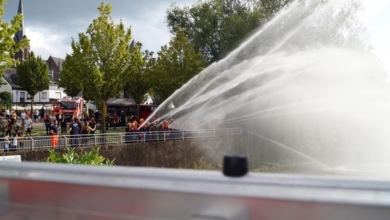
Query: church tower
point(22, 54)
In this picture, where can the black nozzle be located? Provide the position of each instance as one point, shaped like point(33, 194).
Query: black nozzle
point(235, 166)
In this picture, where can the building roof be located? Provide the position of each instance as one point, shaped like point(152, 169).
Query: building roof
point(58, 61)
point(12, 78)
point(121, 102)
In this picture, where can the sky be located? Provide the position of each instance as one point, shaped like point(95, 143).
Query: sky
point(50, 24)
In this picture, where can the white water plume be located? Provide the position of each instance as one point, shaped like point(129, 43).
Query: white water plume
point(307, 80)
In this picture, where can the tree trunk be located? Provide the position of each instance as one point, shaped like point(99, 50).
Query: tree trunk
point(32, 106)
point(104, 114)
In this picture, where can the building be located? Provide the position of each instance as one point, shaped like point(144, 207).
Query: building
point(55, 67)
point(11, 80)
point(22, 54)
point(21, 97)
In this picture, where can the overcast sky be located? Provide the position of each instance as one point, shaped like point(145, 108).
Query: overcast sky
point(50, 24)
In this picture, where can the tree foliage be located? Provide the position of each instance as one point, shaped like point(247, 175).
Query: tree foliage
point(216, 27)
point(69, 80)
point(176, 64)
point(8, 46)
point(100, 59)
point(137, 84)
point(6, 99)
point(33, 75)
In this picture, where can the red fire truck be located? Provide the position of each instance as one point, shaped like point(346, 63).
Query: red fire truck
point(129, 108)
point(71, 107)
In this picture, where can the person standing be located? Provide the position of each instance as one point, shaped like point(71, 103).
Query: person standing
point(116, 120)
point(13, 121)
point(7, 114)
point(8, 128)
point(23, 116)
point(28, 126)
point(14, 117)
point(86, 118)
point(63, 124)
point(75, 129)
point(57, 116)
point(36, 116)
point(42, 112)
point(85, 133)
point(54, 134)
point(92, 126)
point(47, 122)
point(6, 143)
point(123, 118)
point(15, 142)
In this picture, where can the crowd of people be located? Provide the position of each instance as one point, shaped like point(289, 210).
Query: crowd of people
point(78, 129)
point(59, 125)
point(11, 130)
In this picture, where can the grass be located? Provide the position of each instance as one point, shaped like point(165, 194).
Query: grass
point(42, 131)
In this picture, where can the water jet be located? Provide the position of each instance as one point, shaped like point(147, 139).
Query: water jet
point(306, 82)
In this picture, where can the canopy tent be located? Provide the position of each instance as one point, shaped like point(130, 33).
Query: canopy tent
point(28, 107)
point(120, 102)
point(17, 108)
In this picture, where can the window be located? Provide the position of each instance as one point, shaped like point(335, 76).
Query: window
point(44, 95)
point(68, 105)
point(22, 96)
point(57, 95)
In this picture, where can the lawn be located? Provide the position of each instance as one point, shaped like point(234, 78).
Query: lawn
point(42, 131)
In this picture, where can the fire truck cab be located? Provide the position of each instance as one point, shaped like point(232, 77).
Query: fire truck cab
point(70, 107)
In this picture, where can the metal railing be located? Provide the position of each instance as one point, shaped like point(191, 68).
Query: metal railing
point(47, 191)
point(41, 142)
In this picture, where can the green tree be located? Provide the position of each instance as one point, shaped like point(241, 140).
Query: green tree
point(138, 85)
point(100, 59)
point(216, 27)
point(69, 78)
point(33, 75)
point(8, 46)
point(6, 99)
point(177, 63)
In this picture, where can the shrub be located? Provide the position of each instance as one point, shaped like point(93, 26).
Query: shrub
point(72, 157)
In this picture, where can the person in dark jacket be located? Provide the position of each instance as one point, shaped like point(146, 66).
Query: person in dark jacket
point(75, 130)
point(63, 124)
point(47, 122)
point(42, 113)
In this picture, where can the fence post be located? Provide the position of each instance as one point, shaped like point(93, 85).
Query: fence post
point(183, 137)
point(32, 144)
point(94, 140)
point(121, 137)
point(66, 141)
